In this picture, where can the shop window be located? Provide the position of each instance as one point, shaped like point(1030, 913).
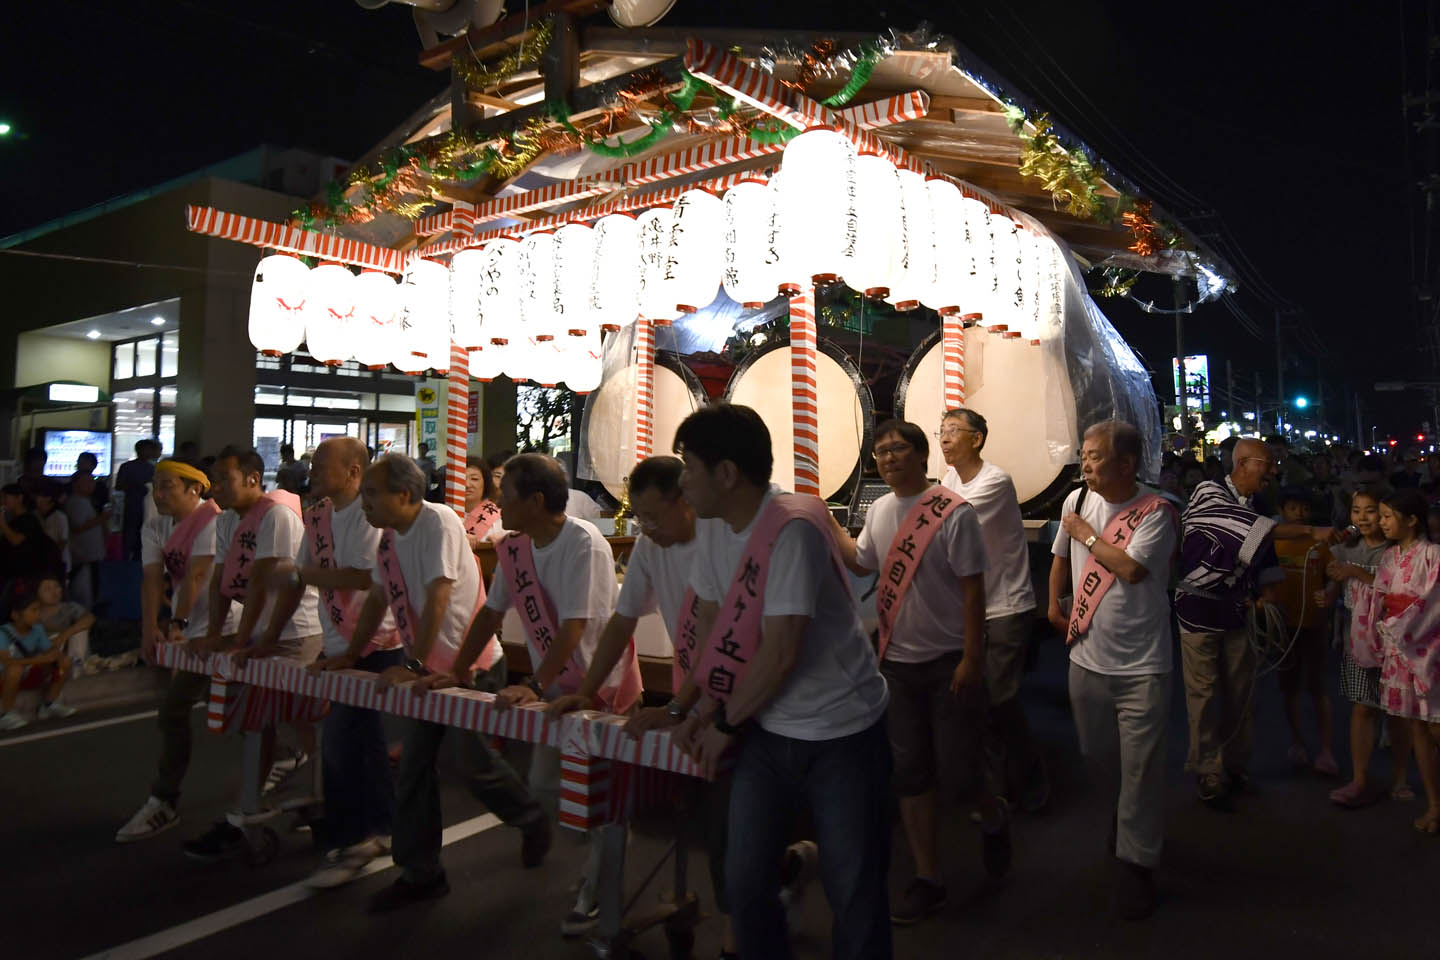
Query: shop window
point(124, 361)
point(170, 355)
point(145, 357)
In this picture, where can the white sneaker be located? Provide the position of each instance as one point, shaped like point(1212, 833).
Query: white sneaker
point(156, 816)
point(55, 710)
point(372, 848)
point(283, 769)
point(13, 721)
point(339, 868)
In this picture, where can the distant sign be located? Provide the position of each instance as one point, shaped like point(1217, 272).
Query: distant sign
point(63, 448)
point(1197, 381)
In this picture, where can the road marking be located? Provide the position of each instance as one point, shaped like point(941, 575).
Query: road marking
point(247, 910)
point(78, 728)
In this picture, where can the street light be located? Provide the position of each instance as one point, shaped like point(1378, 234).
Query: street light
point(5, 129)
point(1301, 403)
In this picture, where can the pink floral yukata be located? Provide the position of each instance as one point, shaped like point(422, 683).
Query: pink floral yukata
point(1399, 620)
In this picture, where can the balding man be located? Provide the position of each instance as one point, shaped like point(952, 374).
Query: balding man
point(336, 556)
point(1226, 554)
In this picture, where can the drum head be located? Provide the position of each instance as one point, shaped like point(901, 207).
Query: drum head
point(610, 417)
point(846, 411)
point(1023, 391)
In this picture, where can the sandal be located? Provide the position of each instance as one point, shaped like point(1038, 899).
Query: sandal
point(1429, 824)
point(1353, 796)
point(1402, 791)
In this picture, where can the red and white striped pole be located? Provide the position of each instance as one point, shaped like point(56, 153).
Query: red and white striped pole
point(953, 344)
point(804, 392)
point(644, 388)
point(457, 406)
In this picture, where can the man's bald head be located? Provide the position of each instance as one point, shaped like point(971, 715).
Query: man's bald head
point(1253, 464)
point(337, 468)
point(349, 451)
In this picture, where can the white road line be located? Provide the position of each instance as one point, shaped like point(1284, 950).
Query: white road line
point(247, 910)
point(78, 728)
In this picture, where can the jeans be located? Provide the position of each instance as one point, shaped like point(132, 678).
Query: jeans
point(845, 784)
point(184, 691)
point(359, 794)
point(415, 844)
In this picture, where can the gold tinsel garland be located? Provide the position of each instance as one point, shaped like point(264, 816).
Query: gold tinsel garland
point(482, 76)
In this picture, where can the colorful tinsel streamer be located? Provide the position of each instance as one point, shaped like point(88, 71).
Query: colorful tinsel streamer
point(480, 76)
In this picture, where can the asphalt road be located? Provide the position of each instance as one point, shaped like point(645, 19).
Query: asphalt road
point(1286, 874)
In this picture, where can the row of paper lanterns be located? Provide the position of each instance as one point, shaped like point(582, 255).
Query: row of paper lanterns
point(830, 214)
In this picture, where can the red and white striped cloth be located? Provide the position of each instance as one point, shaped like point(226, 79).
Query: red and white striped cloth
point(882, 113)
point(704, 157)
point(953, 359)
point(277, 236)
point(804, 391)
point(644, 388)
point(457, 426)
point(515, 203)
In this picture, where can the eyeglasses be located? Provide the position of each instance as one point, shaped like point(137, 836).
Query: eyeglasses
point(893, 450)
point(951, 432)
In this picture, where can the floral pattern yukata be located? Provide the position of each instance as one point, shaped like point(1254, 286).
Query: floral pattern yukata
point(1399, 620)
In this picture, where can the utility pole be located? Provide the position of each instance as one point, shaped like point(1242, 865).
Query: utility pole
point(1279, 379)
point(1259, 412)
point(1359, 430)
point(1182, 384)
point(1230, 390)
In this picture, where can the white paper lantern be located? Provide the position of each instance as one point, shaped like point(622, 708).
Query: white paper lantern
point(574, 266)
point(614, 279)
point(981, 279)
point(818, 220)
point(546, 366)
point(424, 340)
point(1053, 325)
point(518, 362)
point(330, 314)
point(488, 363)
point(879, 237)
point(655, 297)
point(949, 271)
point(277, 304)
point(693, 259)
point(500, 289)
point(1005, 292)
point(466, 278)
point(915, 270)
point(375, 331)
point(537, 285)
point(584, 363)
point(748, 257)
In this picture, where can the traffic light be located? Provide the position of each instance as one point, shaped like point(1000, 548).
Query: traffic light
point(1301, 403)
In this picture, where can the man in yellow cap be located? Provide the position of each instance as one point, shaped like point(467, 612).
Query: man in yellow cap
point(178, 553)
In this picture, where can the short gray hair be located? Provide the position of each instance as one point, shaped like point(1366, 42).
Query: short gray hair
point(402, 475)
point(1125, 440)
point(972, 420)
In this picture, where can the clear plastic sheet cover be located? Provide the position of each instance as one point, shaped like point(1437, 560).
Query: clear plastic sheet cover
point(616, 433)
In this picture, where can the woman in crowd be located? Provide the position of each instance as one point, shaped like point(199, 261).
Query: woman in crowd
point(54, 522)
point(88, 509)
point(1402, 616)
point(1350, 572)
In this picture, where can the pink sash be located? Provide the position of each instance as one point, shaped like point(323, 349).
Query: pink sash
point(685, 640)
point(479, 521)
point(343, 606)
point(916, 531)
point(537, 614)
point(731, 646)
point(235, 579)
point(441, 658)
point(182, 539)
point(1095, 580)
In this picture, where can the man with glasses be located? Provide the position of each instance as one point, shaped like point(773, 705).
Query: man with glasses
point(932, 652)
point(1227, 554)
point(1009, 602)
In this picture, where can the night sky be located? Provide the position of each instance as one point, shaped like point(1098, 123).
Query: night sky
point(1278, 125)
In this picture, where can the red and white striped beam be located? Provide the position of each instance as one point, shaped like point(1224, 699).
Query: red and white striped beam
point(704, 157)
point(457, 394)
point(882, 113)
point(805, 391)
point(644, 388)
point(551, 196)
point(210, 222)
point(953, 359)
point(758, 89)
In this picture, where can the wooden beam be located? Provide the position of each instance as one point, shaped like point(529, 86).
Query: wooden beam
point(671, 40)
point(560, 63)
point(500, 103)
point(462, 111)
point(966, 104)
point(489, 41)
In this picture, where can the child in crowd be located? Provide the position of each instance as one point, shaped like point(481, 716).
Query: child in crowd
point(1350, 572)
point(1303, 668)
point(1401, 617)
point(54, 521)
point(30, 658)
point(67, 623)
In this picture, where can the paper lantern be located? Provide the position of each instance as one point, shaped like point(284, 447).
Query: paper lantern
point(500, 289)
point(981, 279)
point(949, 272)
point(1054, 315)
point(277, 304)
point(424, 340)
point(1005, 288)
point(693, 259)
point(519, 359)
point(467, 269)
point(375, 331)
point(879, 226)
point(488, 363)
point(330, 314)
point(574, 266)
point(537, 285)
point(614, 280)
point(818, 227)
point(748, 257)
point(915, 270)
point(546, 366)
point(584, 363)
point(655, 297)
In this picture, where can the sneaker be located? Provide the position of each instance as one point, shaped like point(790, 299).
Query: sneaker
point(374, 847)
point(339, 867)
point(283, 769)
point(922, 898)
point(55, 710)
point(220, 840)
point(12, 721)
point(582, 917)
point(1134, 890)
point(404, 892)
point(535, 842)
point(1210, 788)
point(800, 866)
point(995, 845)
point(156, 816)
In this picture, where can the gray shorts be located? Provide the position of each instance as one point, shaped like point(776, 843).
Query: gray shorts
point(1006, 639)
point(936, 737)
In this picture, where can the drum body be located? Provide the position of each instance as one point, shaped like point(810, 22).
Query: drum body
point(847, 410)
point(1022, 390)
point(610, 417)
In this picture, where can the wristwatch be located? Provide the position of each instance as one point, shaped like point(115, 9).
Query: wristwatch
point(180, 622)
point(722, 724)
point(1090, 541)
point(535, 688)
point(416, 667)
point(676, 709)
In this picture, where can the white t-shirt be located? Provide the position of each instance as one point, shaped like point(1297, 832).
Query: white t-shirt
point(87, 546)
point(656, 578)
point(1008, 587)
point(57, 527)
point(355, 543)
point(152, 550)
point(577, 572)
point(581, 505)
point(435, 548)
point(279, 535)
point(835, 688)
point(1129, 635)
point(932, 619)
